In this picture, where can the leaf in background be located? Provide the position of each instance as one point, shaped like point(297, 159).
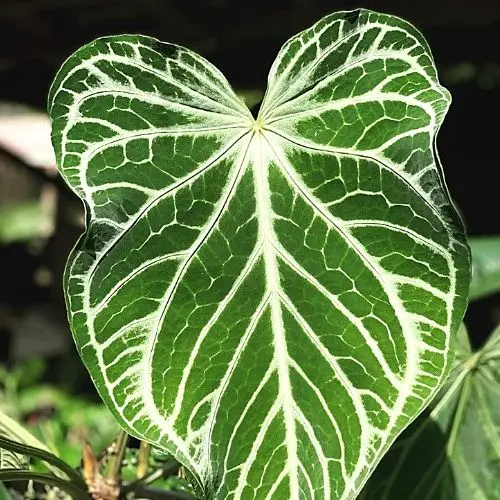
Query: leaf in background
point(485, 266)
point(251, 97)
point(269, 300)
point(23, 221)
point(4, 493)
point(10, 460)
point(10, 429)
point(17, 445)
point(453, 452)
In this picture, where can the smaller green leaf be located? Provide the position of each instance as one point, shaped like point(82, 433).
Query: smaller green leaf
point(75, 491)
point(54, 463)
point(251, 97)
point(4, 492)
point(16, 443)
point(24, 221)
point(452, 451)
point(9, 460)
point(485, 266)
point(9, 428)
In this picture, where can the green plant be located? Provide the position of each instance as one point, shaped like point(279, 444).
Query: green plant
point(26, 460)
point(272, 298)
point(48, 450)
point(453, 449)
point(269, 299)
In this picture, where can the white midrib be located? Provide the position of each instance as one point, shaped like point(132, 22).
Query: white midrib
point(264, 211)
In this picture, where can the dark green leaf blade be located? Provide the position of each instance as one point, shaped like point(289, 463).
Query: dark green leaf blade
point(453, 451)
point(351, 113)
point(269, 300)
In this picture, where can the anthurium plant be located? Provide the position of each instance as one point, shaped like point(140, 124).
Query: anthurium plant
point(271, 298)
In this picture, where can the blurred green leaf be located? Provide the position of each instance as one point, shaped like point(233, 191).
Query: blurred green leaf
point(30, 372)
point(485, 266)
point(74, 490)
point(61, 421)
point(4, 493)
point(452, 452)
point(72, 421)
point(24, 221)
point(9, 428)
point(60, 468)
point(17, 444)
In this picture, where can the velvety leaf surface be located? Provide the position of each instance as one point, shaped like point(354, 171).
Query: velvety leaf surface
point(269, 299)
point(452, 452)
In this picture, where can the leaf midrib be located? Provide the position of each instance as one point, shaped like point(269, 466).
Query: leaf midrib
point(281, 357)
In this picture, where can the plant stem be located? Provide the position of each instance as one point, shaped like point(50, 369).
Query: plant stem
point(167, 469)
point(157, 494)
point(113, 476)
point(143, 465)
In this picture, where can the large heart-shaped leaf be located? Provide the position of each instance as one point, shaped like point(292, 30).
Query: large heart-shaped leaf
point(454, 451)
point(271, 300)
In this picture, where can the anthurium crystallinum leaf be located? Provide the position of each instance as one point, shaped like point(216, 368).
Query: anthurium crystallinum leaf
point(271, 300)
